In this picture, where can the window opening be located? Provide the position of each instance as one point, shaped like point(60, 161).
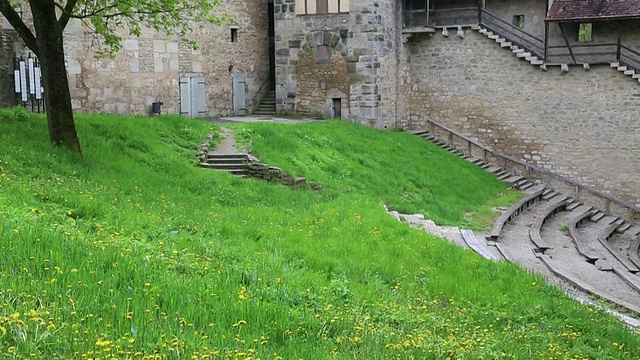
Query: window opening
point(518, 20)
point(234, 35)
point(585, 32)
point(321, 7)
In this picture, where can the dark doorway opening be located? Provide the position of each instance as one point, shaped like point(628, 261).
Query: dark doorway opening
point(337, 108)
point(272, 48)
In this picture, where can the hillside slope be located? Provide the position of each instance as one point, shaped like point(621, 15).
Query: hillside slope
point(138, 252)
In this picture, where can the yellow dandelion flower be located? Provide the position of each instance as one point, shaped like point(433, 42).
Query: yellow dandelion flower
point(239, 323)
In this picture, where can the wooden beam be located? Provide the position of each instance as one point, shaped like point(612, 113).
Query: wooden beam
point(619, 41)
point(566, 41)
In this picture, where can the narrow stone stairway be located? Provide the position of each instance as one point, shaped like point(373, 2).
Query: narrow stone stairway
point(626, 70)
point(226, 156)
point(267, 105)
point(515, 49)
point(235, 164)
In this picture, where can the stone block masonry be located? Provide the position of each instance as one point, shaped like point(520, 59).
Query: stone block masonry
point(148, 67)
point(362, 64)
point(581, 124)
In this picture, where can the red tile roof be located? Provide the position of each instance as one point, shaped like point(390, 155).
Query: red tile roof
point(593, 10)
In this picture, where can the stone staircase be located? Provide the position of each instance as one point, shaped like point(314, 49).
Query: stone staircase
point(235, 164)
point(267, 105)
point(515, 49)
point(626, 70)
point(574, 245)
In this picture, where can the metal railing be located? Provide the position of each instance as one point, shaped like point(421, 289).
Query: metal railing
point(600, 53)
point(581, 192)
point(441, 17)
point(511, 33)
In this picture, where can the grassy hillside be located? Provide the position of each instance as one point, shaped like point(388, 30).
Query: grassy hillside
point(138, 252)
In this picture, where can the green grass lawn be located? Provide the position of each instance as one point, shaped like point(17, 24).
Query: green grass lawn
point(138, 253)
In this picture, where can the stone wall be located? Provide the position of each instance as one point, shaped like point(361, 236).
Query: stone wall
point(322, 81)
point(581, 124)
point(366, 38)
point(148, 68)
point(533, 11)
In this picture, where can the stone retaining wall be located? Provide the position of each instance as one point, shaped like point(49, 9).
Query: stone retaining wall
point(581, 124)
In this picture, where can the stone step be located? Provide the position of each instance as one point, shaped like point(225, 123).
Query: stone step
point(624, 227)
point(504, 176)
point(597, 216)
point(622, 68)
point(523, 54)
point(636, 76)
point(218, 166)
point(225, 161)
point(213, 155)
point(629, 72)
point(513, 178)
point(493, 169)
point(615, 64)
point(572, 205)
point(531, 58)
point(519, 183)
point(517, 50)
point(482, 31)
point(526, 186)
point(506, 44)
point(537, 62)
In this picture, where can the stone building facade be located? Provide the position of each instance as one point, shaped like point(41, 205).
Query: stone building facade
point(361, 41)
point(151, 67)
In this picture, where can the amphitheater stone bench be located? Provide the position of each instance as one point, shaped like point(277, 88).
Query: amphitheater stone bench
point(512, 212)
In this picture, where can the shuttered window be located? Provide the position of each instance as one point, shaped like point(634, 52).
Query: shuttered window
point(320, 7)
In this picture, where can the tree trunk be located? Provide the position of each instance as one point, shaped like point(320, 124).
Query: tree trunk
point(62, 129)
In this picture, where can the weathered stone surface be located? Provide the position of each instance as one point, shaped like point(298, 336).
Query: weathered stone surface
point(580, 124)
point(148, 68)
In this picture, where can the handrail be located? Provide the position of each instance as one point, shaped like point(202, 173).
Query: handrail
point(512, 33)
point(260, 91)
point(631, 60)
point(630, 50)
point(511, 25)
point(582, 45)
point(633, 210)
point(420, 17)
point(454, 9)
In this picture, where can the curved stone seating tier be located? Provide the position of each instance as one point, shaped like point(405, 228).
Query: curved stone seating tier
point(604, 240)
point(475, 244)
point(512, 212)
point(628, 277)
point(586, 287)
point(633, 251)
point(534, 232)
point(577, 238)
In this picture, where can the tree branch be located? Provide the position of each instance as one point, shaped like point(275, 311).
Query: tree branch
point(14, 19)
point(67, 11)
